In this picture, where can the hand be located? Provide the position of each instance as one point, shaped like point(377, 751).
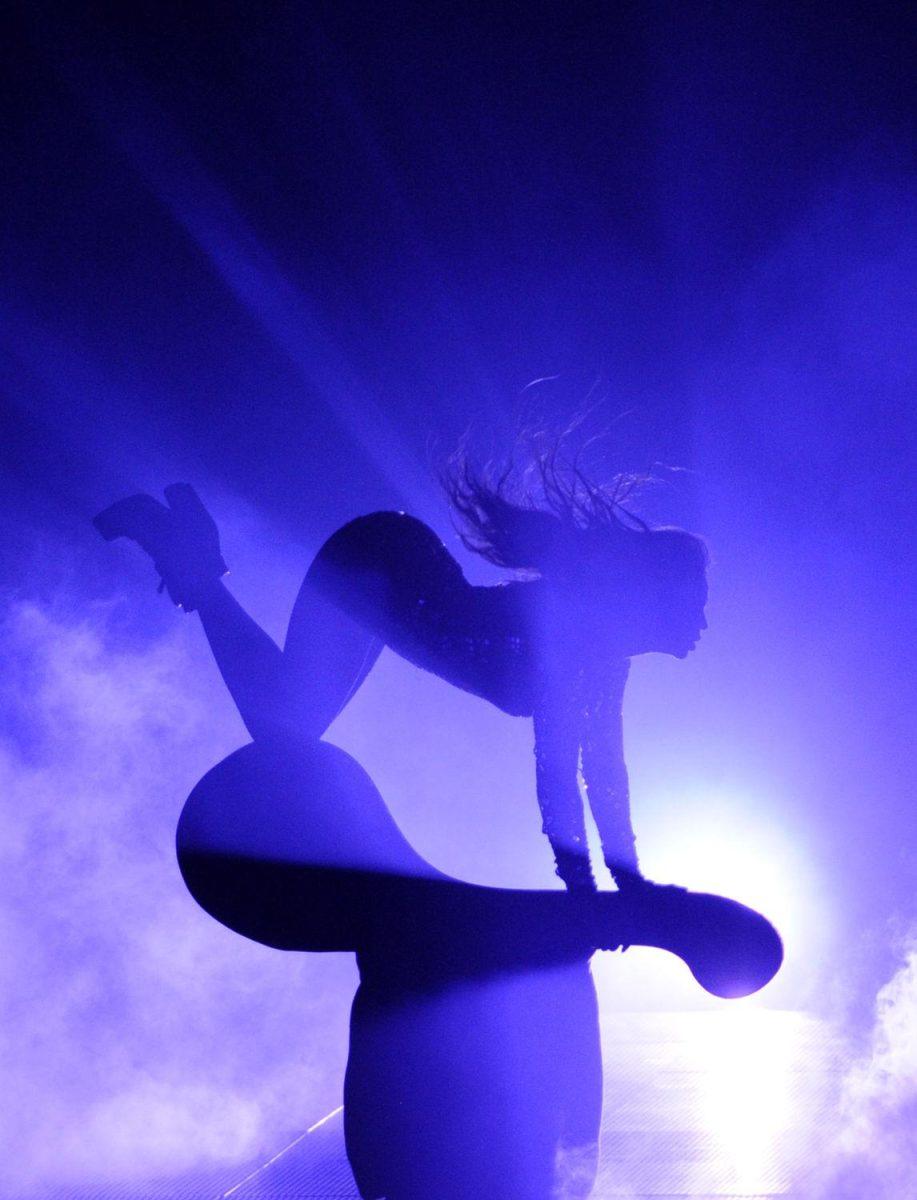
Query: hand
point(575, 870)
point(630, 880)
point(639, 893)
point(632, 884)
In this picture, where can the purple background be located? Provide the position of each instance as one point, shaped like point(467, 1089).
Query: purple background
point(291, 257)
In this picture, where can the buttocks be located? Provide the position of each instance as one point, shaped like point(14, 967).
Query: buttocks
point(391, 573)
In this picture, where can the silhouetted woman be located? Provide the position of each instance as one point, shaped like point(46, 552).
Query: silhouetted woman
point(474, 1066)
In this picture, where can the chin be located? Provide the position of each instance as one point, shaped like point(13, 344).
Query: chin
point(673, 649)
point(682, 651)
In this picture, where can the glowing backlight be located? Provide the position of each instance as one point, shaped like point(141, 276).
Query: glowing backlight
point(730, 846)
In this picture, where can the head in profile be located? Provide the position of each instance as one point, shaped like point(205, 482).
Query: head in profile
point(627, 587)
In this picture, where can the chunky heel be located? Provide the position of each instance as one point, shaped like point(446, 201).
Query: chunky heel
point(182, 540)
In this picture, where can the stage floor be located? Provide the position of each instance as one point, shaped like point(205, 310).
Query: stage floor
point(732, 1104)
point(728, 1104)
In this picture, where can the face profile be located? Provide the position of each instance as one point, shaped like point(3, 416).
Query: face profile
point(683, 617)
point(670, 609)
point(662, 621)
point(651, 601)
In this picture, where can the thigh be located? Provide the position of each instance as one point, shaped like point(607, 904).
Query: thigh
point(327, 655)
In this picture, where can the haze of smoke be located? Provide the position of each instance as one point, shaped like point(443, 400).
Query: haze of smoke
point(872, 1151)
point(139, 1037)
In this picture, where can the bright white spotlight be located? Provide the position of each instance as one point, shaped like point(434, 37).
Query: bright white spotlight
point(757, 1095)
point(728, 845)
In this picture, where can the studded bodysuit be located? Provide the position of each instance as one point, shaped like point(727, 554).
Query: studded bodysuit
point(392, 576)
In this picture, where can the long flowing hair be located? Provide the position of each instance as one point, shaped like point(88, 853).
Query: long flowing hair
point(542, 511)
